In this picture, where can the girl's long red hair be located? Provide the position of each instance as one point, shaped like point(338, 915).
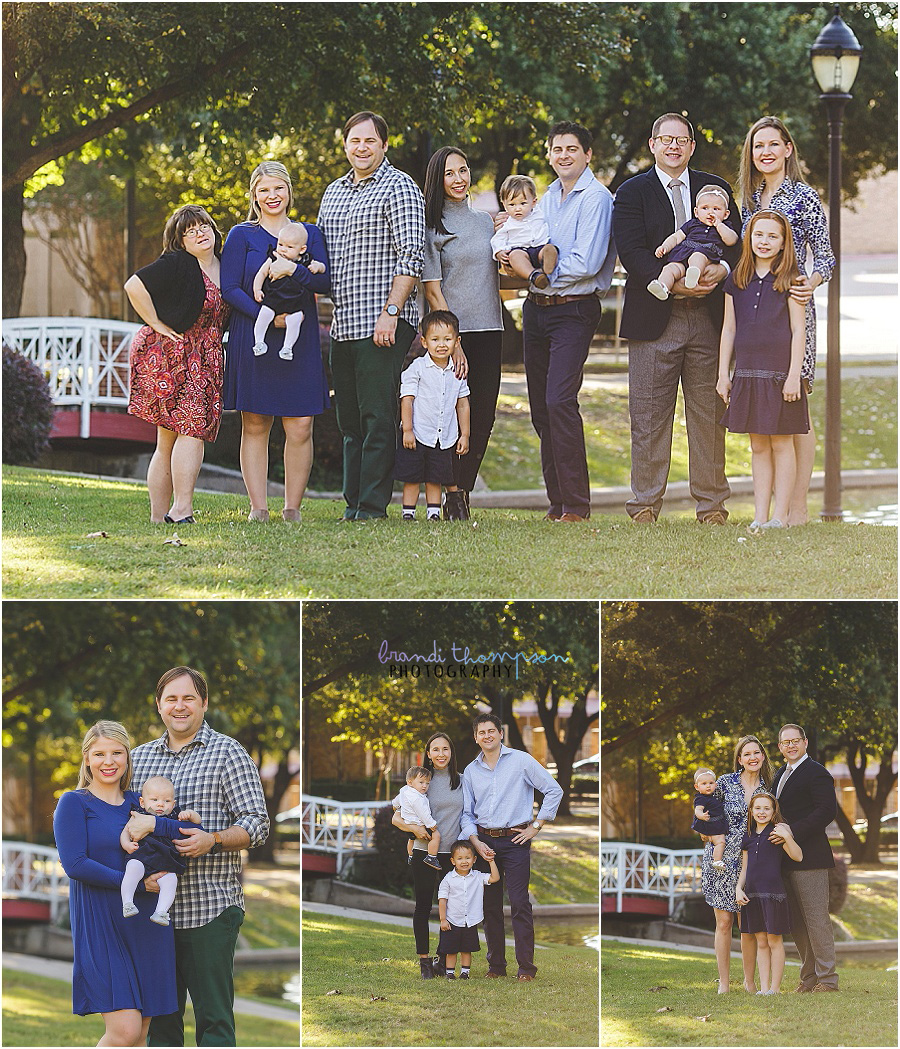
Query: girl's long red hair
point(784, 269)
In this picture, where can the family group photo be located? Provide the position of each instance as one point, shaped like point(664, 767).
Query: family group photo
point(450, 822)
point(747, 858)
point(148, 850)
point(457, 287)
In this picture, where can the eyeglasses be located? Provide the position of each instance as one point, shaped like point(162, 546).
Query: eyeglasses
point(667, 140)
point(195, 231)
point(791, 742)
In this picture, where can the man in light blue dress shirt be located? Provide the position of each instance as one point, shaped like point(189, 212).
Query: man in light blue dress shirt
point(559, 321)
point(498, 818)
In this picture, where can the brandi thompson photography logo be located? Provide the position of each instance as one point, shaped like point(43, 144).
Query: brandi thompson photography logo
point(459, 660)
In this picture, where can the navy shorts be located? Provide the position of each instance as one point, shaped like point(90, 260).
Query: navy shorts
point(534, 254)
point(459, 938)
point(431, 465)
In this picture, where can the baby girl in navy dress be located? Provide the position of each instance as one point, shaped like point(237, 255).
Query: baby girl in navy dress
point(699, 243)
point(760, 891)
point(154, 853)
point(715, 828)
point(284, 294)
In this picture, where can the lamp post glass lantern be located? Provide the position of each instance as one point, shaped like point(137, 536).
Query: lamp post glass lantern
point(835, 62)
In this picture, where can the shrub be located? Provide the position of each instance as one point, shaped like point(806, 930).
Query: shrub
point(27, 410)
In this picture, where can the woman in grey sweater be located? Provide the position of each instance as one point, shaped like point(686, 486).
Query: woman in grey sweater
point(461, 275)
point(445, 797)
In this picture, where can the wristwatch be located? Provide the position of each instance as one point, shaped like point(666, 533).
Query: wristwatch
point(537, 824)
point(219, 845)
point(391, 310)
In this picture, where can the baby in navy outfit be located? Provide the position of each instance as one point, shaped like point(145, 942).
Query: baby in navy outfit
point(154, 853)
point(716, 827)
point(699, 243)
point(283, 294)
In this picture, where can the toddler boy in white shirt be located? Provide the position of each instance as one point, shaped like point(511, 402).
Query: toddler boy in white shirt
point(461, 908)
point(415, 810)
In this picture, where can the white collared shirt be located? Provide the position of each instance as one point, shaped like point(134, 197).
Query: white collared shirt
point(464, 896)
point(414, 807)
point(685, 192)
point(436, 391)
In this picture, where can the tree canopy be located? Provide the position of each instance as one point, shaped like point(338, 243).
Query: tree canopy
point(196, 83)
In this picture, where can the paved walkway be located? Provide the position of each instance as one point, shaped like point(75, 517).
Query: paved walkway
point(57, 970)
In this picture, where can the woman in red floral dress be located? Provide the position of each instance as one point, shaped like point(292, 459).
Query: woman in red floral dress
point(176, 358)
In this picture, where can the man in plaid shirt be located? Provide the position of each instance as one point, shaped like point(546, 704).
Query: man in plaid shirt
point(373, 219)
point(214, 775)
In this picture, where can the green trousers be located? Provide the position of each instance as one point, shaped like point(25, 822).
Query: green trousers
point(366, 396)
point(204, 965)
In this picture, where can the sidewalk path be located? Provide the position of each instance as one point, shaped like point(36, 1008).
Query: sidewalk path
point(56, 970)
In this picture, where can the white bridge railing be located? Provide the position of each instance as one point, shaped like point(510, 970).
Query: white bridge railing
point(33, 872)
point(338, 826)
point(628, 869)
point(84, 358)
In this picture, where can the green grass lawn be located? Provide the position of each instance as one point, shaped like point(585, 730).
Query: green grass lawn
point(863, 1013)
point(47, 553)
point(38, 1011)
point(868, 438)
point(564, 872)
point(383, 1001)
point(272, 915)
point(870, 912)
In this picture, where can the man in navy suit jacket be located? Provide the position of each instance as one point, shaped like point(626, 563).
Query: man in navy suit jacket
point(805, 793)
point(673, 340)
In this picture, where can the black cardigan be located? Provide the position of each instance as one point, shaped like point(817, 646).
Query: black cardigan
point(175, 283)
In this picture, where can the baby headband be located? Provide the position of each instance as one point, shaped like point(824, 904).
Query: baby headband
point(703, 772)
point(717, 190)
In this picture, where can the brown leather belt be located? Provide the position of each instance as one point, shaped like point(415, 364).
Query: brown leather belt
point(691, 302)
point(556, 300)
point(500, 832)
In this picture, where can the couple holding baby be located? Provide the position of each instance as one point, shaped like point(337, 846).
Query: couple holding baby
point(773, 868)
point(136, 957)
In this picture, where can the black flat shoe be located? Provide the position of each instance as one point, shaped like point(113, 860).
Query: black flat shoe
point(184, 520)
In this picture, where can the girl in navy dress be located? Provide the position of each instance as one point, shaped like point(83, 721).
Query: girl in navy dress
point(154, 853)
point(262, 386)
point(123, 970)
point(764, 328)
point(760, 891)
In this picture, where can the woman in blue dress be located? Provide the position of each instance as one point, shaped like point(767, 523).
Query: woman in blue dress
point(752, 773)
point(124, 969)
point(770, 178)
point(261, 387)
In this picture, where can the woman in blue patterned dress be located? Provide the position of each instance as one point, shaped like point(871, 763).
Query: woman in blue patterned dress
point(753, 773)
point(770, 177)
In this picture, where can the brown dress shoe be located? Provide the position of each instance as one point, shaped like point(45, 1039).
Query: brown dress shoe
point(571, 519)
point(491, 975)
point(802, 990)
point(644, 516)
point(551, 516)
point(715, 518)
point(824, 987)
point(525, 976)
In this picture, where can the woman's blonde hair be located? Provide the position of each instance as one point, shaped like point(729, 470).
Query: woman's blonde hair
point(776, 815)
point(104, 730)
point(766, 772)
point(268, 169)
point(784, 269)
point(748, 177)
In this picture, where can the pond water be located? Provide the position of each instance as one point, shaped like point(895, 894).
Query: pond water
point(581, 932)
point(280, 986)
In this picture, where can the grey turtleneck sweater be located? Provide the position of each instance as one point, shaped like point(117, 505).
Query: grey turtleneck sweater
point(446, 807)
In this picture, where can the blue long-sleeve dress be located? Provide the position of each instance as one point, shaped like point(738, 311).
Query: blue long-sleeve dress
point(120, 963)
point(268, 385)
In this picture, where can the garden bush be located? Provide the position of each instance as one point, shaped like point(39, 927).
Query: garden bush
point(27, 410)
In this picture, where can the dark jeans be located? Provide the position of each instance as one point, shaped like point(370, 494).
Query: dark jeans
point(425, 880)
point(556, 340)
point(483, 350)
point(204, 965)
point(366, 399)
point(514, 864)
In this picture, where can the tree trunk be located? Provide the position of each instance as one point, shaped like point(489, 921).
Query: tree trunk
point(852, 841)
point(872, 805)
point(13, 250)
point(280, 783)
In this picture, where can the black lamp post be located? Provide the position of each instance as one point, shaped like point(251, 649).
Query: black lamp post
point(835, 61)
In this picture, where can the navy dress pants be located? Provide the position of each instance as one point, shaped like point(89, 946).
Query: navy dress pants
point(514, 864)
